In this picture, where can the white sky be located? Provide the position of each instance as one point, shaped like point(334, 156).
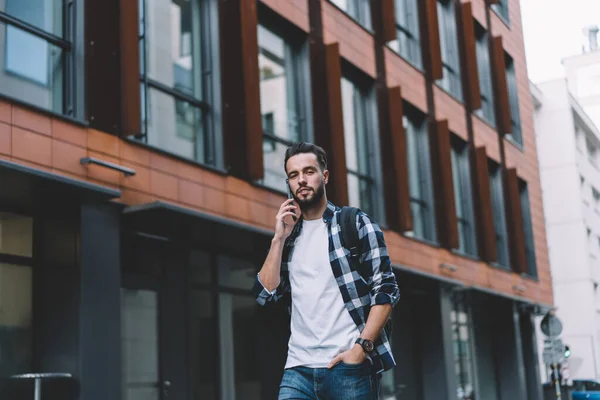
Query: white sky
point(553, 31)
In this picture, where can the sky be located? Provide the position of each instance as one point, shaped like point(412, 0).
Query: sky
point(553, 30)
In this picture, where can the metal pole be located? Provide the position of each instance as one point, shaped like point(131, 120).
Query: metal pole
point(556, 382)
point(38, 386)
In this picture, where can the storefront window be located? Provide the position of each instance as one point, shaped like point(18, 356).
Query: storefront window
point(16, 279)
point(462, 345)
point(15, 234)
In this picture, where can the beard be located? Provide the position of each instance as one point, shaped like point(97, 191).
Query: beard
point(311, 202)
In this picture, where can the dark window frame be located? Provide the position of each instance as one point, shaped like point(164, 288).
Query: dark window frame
point(297, 48)
point(513, 100)
point(461, 169)
point(209, 152)
point(451, 82)
point(484, 68)
point(530, 253)
point(502, 10)
point(412, 54)
point(359, 11)
point(371, 158)
point(71, 44)
point(416, 128)
point(499, 214)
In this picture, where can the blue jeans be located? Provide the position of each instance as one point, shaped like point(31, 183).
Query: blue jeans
point(343, 382)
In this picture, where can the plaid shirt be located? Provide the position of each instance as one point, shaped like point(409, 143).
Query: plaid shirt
point(375, 284)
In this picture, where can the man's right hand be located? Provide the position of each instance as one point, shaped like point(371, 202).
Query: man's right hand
point(284, 221)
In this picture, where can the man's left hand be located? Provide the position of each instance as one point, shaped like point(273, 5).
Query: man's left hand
point(355, 355)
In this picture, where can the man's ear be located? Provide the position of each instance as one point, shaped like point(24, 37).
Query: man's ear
point(326, 176)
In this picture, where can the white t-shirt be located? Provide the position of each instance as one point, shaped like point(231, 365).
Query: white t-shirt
point(321, 328)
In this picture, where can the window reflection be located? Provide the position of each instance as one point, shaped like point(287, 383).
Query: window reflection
point(361, 179)
point(15, 319)
point(282, 101)
point(16, 234)
point(203, 374)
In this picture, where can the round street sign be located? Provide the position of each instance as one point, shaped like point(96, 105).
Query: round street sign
point(551, 325)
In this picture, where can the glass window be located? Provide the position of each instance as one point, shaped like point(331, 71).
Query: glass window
point(513, 98)
point(499, 213)
point(139, 344)
point(16, 235)
point(282, 100)
point(484, 68)
point(408, 42)
point(463, 348)
point(357, 9)
point(419, 174)
point(37, 54)
point(175, 110)
point(449, 46)
point(591, 151)
point(204, 377)
point(15, 319)
point(239, 347)
point(528, 228)
point(501, 9)
point(236, 272)
point(463, 195)
point(359, 153)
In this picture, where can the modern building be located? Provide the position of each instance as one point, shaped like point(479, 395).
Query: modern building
point(141, 147)
point(568, 141)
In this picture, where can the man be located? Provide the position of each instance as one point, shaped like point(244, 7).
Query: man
point(338, 347)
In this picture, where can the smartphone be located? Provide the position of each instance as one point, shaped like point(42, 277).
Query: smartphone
point(289, 193)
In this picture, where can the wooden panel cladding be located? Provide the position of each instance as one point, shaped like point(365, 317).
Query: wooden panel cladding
point(337, 189)
point(130, 68)
point(483, 206)
point(514, 222)
point(102, 68)
point(430, 31)
point(468, 32)
point(388, 23)
point(443, 184)
point(500, 86)
point(396, 178)
point(242, 125)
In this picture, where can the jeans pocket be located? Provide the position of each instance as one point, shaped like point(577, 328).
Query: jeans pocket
point(352, 366)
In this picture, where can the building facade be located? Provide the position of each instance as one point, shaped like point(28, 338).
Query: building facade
point(568, 141)
point(141, 166)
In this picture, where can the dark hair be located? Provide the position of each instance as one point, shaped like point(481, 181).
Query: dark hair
point(304, 147)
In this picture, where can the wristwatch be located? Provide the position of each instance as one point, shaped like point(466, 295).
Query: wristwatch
point(366, 344)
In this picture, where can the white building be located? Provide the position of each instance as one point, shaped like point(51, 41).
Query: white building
point(568, 143)
point(583, 76)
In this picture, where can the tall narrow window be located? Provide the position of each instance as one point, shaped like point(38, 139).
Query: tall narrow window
point(449, 46)
point(528, 229)
point(513, 98)
point(359, 131)
point(283, 100)
point(408, 42)
point(484, 68)
point(501, 9)
point(499, 211)
point(174, 63)
point(38, 50)
point(463, 194)
point(419, 174)
point(463, 347)
point(358, 9)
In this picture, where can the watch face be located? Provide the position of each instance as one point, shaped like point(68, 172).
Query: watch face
point(368, 345)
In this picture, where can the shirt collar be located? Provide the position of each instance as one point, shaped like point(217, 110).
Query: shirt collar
point(329, 211)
